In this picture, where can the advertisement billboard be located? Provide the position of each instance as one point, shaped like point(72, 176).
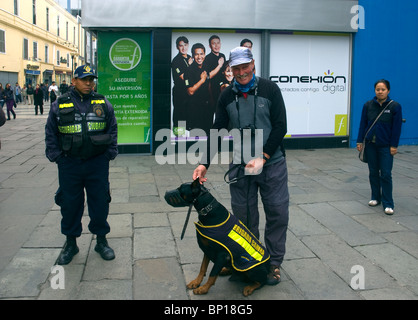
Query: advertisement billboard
point(313, 73)
point(200, 72)
point(124, 70)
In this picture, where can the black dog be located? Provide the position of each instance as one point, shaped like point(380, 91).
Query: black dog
point(224, 239)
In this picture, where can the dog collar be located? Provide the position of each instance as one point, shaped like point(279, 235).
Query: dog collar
point(204, 211)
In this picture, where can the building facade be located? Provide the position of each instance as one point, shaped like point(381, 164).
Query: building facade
point(325, 56)
point(40, 42)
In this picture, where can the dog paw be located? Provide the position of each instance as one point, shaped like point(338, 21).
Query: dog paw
point(248, 290)
point(193, 285)
point(201, 290)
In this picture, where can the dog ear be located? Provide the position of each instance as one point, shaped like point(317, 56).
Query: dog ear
point(196, 183)
point(196, 186)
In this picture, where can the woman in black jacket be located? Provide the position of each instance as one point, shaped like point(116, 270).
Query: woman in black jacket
point(39, 99)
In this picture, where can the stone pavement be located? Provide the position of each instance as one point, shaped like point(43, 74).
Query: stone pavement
point(334, 237)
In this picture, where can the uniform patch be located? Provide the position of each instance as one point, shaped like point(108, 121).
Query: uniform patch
point(98, 110)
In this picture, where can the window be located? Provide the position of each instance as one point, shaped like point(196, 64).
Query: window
point(58, 57)
point(2, 41)
point(34, 11)
point(68, 60)
point(16, 7)
point(47, 19)
point(74, 35)
point(58, 26)
point(35, 51)
point(25, 49)
point(46, 53)
point(66, 31)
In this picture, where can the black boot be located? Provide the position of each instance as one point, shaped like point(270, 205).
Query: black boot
point(103, 248)
point(69, 251)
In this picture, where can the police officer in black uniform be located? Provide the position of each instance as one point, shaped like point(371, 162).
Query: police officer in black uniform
point(81, 137)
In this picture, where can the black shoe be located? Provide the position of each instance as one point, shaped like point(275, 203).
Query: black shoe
point(103, 249)
point(69, 251)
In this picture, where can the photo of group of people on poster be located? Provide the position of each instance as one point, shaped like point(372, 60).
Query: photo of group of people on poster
point(200, 71)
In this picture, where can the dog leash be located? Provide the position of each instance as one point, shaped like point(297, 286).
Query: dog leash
point(235, 180)
point(187, 221)
point(231, 181)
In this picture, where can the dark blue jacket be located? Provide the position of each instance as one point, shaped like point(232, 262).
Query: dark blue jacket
point(53, 150)
point(387, 130)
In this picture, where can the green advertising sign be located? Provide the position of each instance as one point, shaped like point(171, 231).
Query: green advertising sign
point(124, 70)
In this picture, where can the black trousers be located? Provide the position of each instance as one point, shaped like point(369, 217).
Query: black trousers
point(75, 176)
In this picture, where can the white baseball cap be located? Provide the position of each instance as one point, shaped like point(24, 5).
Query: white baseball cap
point(240, 55)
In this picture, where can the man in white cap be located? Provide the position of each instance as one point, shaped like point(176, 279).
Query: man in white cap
point(255, 103)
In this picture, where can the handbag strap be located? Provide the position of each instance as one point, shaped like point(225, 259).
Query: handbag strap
point(377, 118)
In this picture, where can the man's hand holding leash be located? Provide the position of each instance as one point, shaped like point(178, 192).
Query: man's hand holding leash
point(200, 173)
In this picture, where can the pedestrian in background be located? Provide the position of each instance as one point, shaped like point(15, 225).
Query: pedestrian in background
point(44, 87)
point(39, 100)
point(2, 119)
point(30, 94)
point(1, 96)
point(24, 93)
point(81, 137)
point(381, 143)
point(10, 101)
point(63, 87)
point(53, 92)
point(18, 93)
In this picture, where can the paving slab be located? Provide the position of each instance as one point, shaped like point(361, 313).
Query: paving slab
point(28, 269)
point(159, 279)
point(396, 262)
point(317, 281)
point(347, 228)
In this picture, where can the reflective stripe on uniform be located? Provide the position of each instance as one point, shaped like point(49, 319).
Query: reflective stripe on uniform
point(96, 126)
point(74, 128)
point(97, 102)
point(66, 105)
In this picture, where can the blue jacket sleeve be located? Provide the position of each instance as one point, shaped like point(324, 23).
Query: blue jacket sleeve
point(363, 125)
point(52, 149)
point(112, 129)
point(396, 126)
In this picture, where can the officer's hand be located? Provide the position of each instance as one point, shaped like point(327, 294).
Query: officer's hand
point(200, 173)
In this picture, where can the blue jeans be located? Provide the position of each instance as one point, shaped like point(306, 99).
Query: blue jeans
point(380, 163)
